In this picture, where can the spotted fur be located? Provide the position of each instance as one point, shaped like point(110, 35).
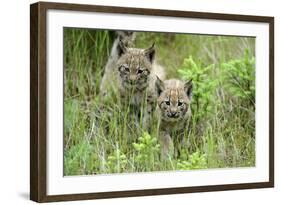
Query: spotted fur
point(174, 98)
point(128, 38)
point(133, 77)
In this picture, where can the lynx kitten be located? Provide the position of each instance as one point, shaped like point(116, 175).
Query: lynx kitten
point(128, 38)
point(133, 77)
point(174, 98)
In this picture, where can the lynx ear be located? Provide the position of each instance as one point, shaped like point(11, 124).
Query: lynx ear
point(124, 33)
point(150, 53)
point(121, 48)
point(188, 89)
point(159, 86)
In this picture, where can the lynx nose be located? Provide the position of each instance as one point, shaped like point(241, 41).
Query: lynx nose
point(133, 78)
point(173, 114)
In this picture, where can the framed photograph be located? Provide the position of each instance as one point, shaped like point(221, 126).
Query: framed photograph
point(134, 102)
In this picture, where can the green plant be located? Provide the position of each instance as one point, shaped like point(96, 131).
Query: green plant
point(81, 159)
point(147, 151)
point(203, 95)
point(116, 162)
point(195, 161)
point(239, 75)
point(85, 54)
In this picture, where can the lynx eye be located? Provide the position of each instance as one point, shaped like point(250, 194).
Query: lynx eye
point(124, 68)
point(167, 102)
point(180, 103)
point(140, 71)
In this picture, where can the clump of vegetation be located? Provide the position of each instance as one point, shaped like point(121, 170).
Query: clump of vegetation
point(106, 138)
point(85, 54)
point(116, 162)
point(81, 159)
point(203, 97)
point(239, 75)
point(195, 161)
point(147, 152)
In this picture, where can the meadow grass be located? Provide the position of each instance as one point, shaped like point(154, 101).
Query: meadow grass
point(103, 137)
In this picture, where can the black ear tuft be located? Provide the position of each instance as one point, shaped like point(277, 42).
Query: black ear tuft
point(150, 53)
point(159, 86)
point(188, 89)
point(121, 48)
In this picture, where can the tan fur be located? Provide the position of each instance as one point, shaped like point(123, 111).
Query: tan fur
point(128, 39)
point(173, 109)
point(133, 77)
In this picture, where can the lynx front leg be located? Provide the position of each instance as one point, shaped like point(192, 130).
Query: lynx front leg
point(167, 147)
point(146, 121)
point(148, 113)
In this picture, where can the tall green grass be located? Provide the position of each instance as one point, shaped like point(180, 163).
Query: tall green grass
point(105, 137)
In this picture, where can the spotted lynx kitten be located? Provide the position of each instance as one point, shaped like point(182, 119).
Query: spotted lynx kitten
point(133, 77)
point(174, 98)
point(128, 38)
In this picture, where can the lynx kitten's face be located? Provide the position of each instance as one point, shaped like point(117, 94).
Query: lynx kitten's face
point(174, 99)
point(134, 66)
